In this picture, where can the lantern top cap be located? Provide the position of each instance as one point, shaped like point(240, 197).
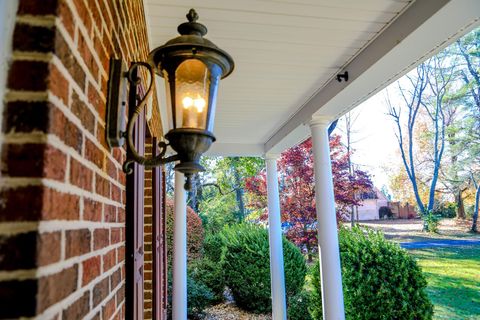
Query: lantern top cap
point(191, 45)
point(192, 27)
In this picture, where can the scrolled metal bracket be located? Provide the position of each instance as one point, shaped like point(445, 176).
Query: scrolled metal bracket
point(116, 134)
point(132, 153)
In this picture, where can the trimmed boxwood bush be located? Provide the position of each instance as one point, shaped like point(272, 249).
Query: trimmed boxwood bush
point(246, 263)
point(298, 306)
point(198, 298)
point(210, 274)
point(380, 280)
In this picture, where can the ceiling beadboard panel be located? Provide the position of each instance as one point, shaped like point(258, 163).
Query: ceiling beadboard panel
point(284, 51)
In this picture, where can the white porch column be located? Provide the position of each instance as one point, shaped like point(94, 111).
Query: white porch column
point(277, 274)
point(330, 270)
point(179, 294)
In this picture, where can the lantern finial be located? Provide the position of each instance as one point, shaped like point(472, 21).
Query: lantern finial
point(192, 15)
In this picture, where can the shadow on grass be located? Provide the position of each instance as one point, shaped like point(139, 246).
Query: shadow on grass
point(454, 298)
point(453, 275)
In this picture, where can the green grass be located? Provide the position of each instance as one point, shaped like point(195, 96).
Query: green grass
point(453, 275)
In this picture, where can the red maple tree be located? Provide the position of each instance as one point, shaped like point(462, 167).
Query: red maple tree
point(297, 191)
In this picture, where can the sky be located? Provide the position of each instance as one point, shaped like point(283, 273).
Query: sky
point(373, 139)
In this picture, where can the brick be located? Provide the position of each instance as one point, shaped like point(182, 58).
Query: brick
point(80, 175)
point(109, 260)
point(79, 308)
point(111, 169)
point(64, 53)
point(77, 242)
point(57, 84)
point(48, 248)
point(109, 309)
point(24, 116)
point(96, 101)
point(18, 251)
point(21, 204)
point(87, 57)
point(94, 154)
point(100, 238)
point(22, 160)
point(66, 130)
point(115, 279)
point(83, 14)
point(33, 160)
point(18, 299)
point(91, 269)
point(121, 214)
point(116, 193)
point(115, 235)
point(66, 17)
point(101, 136)
point(120, 254)
point(120, 295)
point(110, 213)
point(33, 38)
point(60, 206)
point(80, 109)
point(100, 291)
point(55, 163)
point(22, 72)
point(92, 210)
point(56, 287)
point(102, 186)
point(37, 8)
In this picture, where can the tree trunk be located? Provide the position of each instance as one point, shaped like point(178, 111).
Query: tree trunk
point(309, 254)
point(475, 211)
point(460, 205)
point(238, 191)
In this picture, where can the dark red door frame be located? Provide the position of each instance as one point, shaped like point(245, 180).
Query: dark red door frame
point(158, 245)
point(134, 208)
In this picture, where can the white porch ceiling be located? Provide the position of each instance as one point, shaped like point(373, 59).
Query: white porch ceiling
point(286, 52)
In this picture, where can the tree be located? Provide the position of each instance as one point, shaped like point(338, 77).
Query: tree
point(424, 94)
point(297, 190)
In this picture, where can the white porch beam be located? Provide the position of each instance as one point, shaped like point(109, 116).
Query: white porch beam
point(328, 248)
point(179, 294)
point(235, 150)
point(277, 273)
point(422, 30)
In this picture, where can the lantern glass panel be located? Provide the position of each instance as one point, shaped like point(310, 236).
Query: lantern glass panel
point(192, 88)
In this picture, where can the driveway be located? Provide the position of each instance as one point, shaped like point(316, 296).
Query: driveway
point(439, 243)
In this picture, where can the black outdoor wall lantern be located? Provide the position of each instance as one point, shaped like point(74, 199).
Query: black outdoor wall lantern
point(192, 67)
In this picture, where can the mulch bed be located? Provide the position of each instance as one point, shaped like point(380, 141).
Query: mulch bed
point(229, 311)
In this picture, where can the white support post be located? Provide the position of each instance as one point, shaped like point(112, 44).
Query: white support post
point(330, 270)
point(179, 294)
point(277, 274)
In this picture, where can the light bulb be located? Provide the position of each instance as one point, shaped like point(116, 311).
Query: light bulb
point(187, 102)
point(199, 104)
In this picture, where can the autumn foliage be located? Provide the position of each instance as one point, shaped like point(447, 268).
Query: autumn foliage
point(195, 232)
point(297, 190)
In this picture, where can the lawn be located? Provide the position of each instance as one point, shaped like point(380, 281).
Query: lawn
point(453, 275)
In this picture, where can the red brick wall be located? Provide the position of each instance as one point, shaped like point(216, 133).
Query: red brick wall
point(62, 193)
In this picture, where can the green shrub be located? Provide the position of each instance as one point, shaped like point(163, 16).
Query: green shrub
point(298, 306)
point(431, 221)
point(247, 264)
point(380, 280)
point(446, 210)
point(212, 246)
point(210, 274)
point(198, 298)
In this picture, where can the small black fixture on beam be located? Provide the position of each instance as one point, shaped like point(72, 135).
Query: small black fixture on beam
point(192, 67)
point(343, 76)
